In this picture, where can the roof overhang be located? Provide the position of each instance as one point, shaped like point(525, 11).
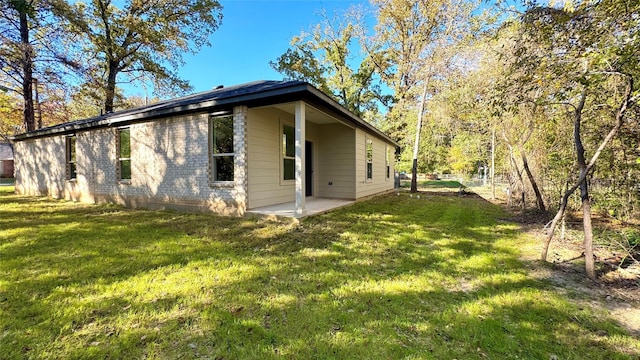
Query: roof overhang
point(216, 101)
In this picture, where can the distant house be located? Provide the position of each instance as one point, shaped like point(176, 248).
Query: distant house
point(227, 150)
point(6, 160)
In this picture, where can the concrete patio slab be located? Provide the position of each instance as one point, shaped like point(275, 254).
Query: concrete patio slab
point(314, 206)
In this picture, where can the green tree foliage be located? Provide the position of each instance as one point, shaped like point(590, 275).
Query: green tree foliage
point(34, 54)
point(466, 153)
point(584, 58)
point(10, 114)
point(415, 47)
point(329, 58)
point(300, 63)
point(17, 53)
point(82, 104)
point(416, 40)
point(141, 39)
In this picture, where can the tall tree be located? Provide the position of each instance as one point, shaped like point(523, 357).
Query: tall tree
point(25, 10)
point(524, 117)
point(581, 49)
point(517, 129)
point(329, 58)
point(414, 45)
point(32, 48)
point(141, 38)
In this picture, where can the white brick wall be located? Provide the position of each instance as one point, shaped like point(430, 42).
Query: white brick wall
point(240, 189)
point(40, 167)
point(169, 166)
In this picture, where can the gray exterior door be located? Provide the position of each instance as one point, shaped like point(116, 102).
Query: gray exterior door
point(308, 168)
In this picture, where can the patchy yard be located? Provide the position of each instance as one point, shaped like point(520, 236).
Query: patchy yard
point(393, 277)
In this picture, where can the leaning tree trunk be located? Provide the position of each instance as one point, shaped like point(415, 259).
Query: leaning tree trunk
point(525, 167)
point(518, 172)
point(628, 100)
point(584, 191)
point(514, 163)
point(534, 184)
point(554, 222)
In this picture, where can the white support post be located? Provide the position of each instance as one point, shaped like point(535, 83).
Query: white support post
point(300, 159)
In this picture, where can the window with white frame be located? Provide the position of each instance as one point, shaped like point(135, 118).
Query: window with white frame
point(288, 153)
point(221, 144)
point(71, 156)
point(124, 154)
point(369, 158)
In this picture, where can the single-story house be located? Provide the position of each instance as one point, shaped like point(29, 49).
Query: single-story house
point(6, 160)
point(227, 150)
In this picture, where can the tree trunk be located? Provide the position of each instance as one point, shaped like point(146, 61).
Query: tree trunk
point(493, 163)
point(577, 119)
point(37, 103)
point(110, 91)
point(416, 145)
point(27, 68)
point(514, 164)
point(510, 191)
point(414, 176)
point(583, 174)
point(554, 223)
point(534, 184)
point(584, 190)
point(589, 261)
point(523, 197)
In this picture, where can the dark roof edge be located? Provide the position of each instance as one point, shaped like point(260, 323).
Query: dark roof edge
point(115, 120)
point(344, 111)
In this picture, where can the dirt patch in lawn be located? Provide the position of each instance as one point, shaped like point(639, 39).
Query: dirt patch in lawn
point(617, 289)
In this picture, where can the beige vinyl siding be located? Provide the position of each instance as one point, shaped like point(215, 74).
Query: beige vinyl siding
point(264, 138)
point(263, 156)
point(336, 163)
point(379, 182)
point(339, 158)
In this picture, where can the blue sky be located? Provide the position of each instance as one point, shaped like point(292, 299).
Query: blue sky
point(253, 32)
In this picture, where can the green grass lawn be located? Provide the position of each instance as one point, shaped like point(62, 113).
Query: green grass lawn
point(390, 278)
point(432, 184)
